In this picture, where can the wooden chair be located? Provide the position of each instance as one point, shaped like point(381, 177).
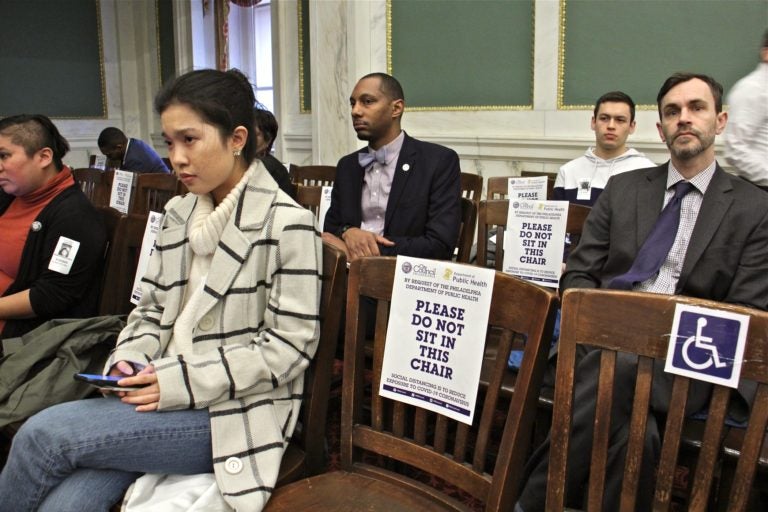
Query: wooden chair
point(114, 223)
point(153, 190)
point(466, 230)
point(319, 175)
point(732, 446)
point(471, 186)
point(380, 437)
point(305, 454)
point(120, 271)
point(492, 219)
point(93, 185)
point(498, 187)
point(577, 216)
point(309, 197)
point(639, 323)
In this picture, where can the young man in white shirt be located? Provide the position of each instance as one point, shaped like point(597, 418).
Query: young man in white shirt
point(582, 180)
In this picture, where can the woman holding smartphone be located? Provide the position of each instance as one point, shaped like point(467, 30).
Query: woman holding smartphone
point(226, 326)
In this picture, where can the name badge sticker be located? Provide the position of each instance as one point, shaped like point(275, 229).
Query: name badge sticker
point(64, 255)
point(584, 191)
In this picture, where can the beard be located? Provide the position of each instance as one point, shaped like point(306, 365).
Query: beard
point(701, 142)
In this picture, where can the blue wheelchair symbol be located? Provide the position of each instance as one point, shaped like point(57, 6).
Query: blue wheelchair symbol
point(708, 346)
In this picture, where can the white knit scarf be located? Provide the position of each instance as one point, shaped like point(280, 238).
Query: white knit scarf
point(207, 223)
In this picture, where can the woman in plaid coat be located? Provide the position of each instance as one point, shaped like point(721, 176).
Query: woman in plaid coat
point(226, 326)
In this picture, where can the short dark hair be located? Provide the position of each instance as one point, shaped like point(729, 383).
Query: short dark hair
point(389, 85)
point(616, 97)
point(267, 125)
point(34, 132)
point(679, 78)
point(765, 39)
point(224, 99)
point(111, 137)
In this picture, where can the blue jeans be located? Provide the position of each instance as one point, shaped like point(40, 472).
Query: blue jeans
point(82, 455)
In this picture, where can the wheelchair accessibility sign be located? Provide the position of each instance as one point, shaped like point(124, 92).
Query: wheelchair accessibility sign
point(707, 344)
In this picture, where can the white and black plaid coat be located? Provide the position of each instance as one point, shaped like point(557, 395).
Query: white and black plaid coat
point(253, 336)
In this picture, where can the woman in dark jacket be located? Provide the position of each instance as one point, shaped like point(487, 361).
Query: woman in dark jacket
point(51, 238)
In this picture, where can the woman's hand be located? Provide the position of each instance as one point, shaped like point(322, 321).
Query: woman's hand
point(147, 398)
point(119, 369)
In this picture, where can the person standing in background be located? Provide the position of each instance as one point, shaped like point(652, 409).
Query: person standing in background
point(746, 138)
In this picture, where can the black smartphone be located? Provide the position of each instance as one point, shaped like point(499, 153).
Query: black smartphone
point(105, 382)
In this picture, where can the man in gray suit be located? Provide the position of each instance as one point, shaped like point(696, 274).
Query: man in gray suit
point(719, 252)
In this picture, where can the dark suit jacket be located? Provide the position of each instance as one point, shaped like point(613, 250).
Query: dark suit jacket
point(727, 256)
point(423, 212)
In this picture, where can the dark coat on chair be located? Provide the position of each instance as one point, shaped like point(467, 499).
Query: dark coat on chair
point(423, 212)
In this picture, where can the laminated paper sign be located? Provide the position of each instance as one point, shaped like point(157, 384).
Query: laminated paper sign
point(531, 189)
point(154, 220)
point(100, 162)
point(534, 240)
point(121, 191)
point(436, 336)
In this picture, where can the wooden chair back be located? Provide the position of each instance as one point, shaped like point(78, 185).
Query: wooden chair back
point(640, 323)
point(153, 190)
point(462, 455)
point(577, 215)
point(305, 455)
point(497, 187)
point(318, 175)
point(309, 197)
point(466, 230)
point(491, 219)
point(93, 184)
point(471, 186)
point(114, 225)
point(121, 268)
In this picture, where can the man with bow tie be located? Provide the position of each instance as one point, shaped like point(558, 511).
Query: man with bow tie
point(399, 195)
